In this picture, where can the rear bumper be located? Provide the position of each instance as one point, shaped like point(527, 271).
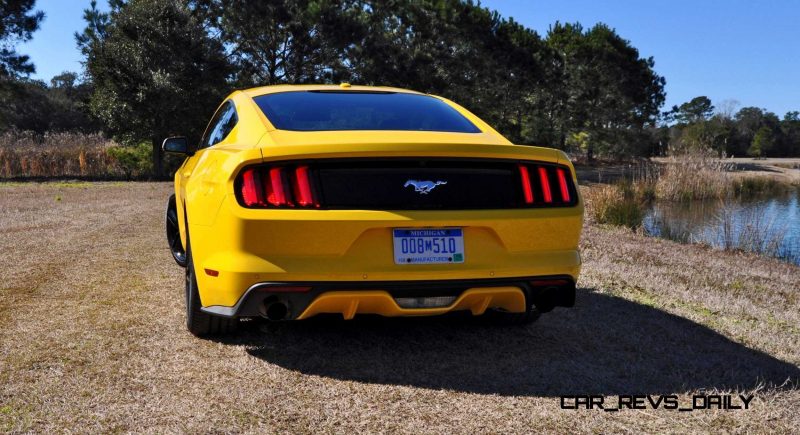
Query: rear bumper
point(246, 247)
point(306, 299)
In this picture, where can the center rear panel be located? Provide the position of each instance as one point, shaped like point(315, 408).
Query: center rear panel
point(418, 185)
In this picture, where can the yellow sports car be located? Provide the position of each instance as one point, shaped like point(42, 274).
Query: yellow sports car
point(301, 200)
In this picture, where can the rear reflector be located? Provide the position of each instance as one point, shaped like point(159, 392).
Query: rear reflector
point(425, 302)
point(287, 289)
point(212, 272)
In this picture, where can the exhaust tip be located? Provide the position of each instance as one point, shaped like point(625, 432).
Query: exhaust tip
point(547, 299)
point(276, 311)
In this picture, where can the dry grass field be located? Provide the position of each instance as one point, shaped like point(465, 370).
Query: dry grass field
point(92, 339)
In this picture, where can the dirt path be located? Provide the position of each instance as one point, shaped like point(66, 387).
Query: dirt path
point(92, 340)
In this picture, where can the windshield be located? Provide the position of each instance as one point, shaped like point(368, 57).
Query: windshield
point(352, 110)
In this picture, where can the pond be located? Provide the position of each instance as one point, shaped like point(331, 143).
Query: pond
point(770, 226)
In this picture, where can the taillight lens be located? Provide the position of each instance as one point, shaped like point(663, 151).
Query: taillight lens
point(276, 193)
point(546, 185)
point(527, 190)
point(252, 194)
point(276, 187)
point(545, 182)
point(562, 183)
point(303, 192)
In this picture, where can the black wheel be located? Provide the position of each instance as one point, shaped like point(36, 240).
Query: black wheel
point(173, 233)
point(198, 322)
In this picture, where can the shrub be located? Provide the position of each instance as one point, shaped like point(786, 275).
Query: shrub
point(693, 176)
point(27, 154)
point(754, 186)
point(699, 176)
point(753, 231)
point(615, 205)
point(133, 161)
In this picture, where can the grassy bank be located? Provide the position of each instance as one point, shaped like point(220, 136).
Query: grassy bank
point(754, 231)
point(699, 177)
point(683, 178)
point(616, 204)
point(71, 155)
point(92, 339)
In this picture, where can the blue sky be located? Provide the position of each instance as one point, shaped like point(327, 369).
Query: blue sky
point(744, 50)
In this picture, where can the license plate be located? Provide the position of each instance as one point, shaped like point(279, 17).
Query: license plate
point(428, 245)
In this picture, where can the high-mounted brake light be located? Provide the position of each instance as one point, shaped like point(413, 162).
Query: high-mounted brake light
point(548, 196)
point(562, 182)
point(526, 184)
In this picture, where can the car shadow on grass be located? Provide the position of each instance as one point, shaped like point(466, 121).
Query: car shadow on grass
point(605, 345)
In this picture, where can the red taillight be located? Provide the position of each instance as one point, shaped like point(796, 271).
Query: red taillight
point(302, 188)
point(537, 184)
point(251, 191)
point(562, 182)
point(277, 186)
point(276, 194)
point(548, 196)
point(526, 184)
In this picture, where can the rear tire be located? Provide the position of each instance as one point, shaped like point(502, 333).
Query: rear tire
point(173, 233)
point(198, 322)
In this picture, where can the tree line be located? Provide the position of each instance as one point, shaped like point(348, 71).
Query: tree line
point(750, 131)
point(154, 68)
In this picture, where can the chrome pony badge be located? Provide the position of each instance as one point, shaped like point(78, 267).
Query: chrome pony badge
point(423, 187)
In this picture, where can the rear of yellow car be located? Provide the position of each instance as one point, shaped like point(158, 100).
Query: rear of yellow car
point(390, 222)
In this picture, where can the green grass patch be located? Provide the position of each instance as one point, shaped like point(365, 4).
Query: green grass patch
point(71, 184)
point(748, 187)
point(616, 205)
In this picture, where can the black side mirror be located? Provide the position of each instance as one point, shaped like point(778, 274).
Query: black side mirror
point(176, 145)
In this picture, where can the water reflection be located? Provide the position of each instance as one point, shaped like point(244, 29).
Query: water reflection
point(767, 225)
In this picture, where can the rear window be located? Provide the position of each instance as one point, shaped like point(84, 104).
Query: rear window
point(352, 110)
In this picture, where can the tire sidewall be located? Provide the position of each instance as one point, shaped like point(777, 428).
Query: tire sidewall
point(173, 204)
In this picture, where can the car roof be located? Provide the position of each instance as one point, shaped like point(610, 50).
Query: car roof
point(262, 90)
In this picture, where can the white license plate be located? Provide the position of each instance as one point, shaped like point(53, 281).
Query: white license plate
point(428, 245)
